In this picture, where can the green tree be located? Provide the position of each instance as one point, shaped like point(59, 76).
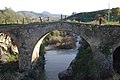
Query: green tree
point(100, 18)
point(12, 17)
point(116, 13)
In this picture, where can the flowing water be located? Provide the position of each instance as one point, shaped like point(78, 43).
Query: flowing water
point(59, 60)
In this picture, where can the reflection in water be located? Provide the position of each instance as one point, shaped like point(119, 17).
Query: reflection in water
point(58, 60)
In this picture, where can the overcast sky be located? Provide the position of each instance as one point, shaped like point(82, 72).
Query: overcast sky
point(59, 6)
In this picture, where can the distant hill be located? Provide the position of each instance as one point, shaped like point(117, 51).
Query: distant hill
point(43, 15)
point(90, 16)
point(9, 16)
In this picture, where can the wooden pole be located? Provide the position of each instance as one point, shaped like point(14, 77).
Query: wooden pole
point(23, 20)
point(48, 19)
point(5, 21)
point(65, 17)
point(61, 17)
point(17, 22)
point(40, 19)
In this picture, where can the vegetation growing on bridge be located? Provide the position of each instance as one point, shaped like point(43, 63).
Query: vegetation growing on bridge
point(105, 50)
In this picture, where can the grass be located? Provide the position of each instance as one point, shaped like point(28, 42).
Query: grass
point(97, 23)
point(116, 76)
point(12, 57)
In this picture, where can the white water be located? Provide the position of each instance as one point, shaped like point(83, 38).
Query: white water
point(59, 60)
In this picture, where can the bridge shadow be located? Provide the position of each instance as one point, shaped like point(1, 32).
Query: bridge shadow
point(116, 60)
point(9, 67)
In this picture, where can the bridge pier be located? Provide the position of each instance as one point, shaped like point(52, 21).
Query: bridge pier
point(24, 59)
point(25, 50)
point(104, 62)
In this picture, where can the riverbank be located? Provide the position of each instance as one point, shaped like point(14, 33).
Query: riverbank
point(54, 47)
point(84, 67)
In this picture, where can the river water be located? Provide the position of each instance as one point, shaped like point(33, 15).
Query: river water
point(59, 60)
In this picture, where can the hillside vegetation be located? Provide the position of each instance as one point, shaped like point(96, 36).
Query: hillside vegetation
point(113, 14)
point(60, 40)
point(8, 16)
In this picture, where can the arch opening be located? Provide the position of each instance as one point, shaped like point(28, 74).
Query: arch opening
point(86, 46)
point(8, 54)
point(54, 40)
point(36, 51)
point(116, 60)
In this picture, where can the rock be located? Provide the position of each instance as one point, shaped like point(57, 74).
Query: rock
point(7, 48)
point(12, 76)
point(65, 75)
point(3, 58)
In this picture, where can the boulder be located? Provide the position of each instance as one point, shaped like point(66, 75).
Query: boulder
point(65, 75)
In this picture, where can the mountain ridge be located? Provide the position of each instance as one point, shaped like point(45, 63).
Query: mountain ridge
point(43, 14)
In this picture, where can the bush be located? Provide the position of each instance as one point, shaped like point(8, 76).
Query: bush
point(84, 67)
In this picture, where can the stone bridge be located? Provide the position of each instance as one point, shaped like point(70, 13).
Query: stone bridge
point(26, 37)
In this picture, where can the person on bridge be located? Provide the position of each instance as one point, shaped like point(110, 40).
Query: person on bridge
point(100, 20)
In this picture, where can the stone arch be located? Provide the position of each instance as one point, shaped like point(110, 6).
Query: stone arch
point(116, 60)
point(12, 37)
point(34, 62)
point(36, 51)
point(39, 39)
point(35, 34)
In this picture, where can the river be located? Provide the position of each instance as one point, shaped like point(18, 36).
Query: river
point(59, 60)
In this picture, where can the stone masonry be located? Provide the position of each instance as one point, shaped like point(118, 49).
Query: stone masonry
point(26, 36)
